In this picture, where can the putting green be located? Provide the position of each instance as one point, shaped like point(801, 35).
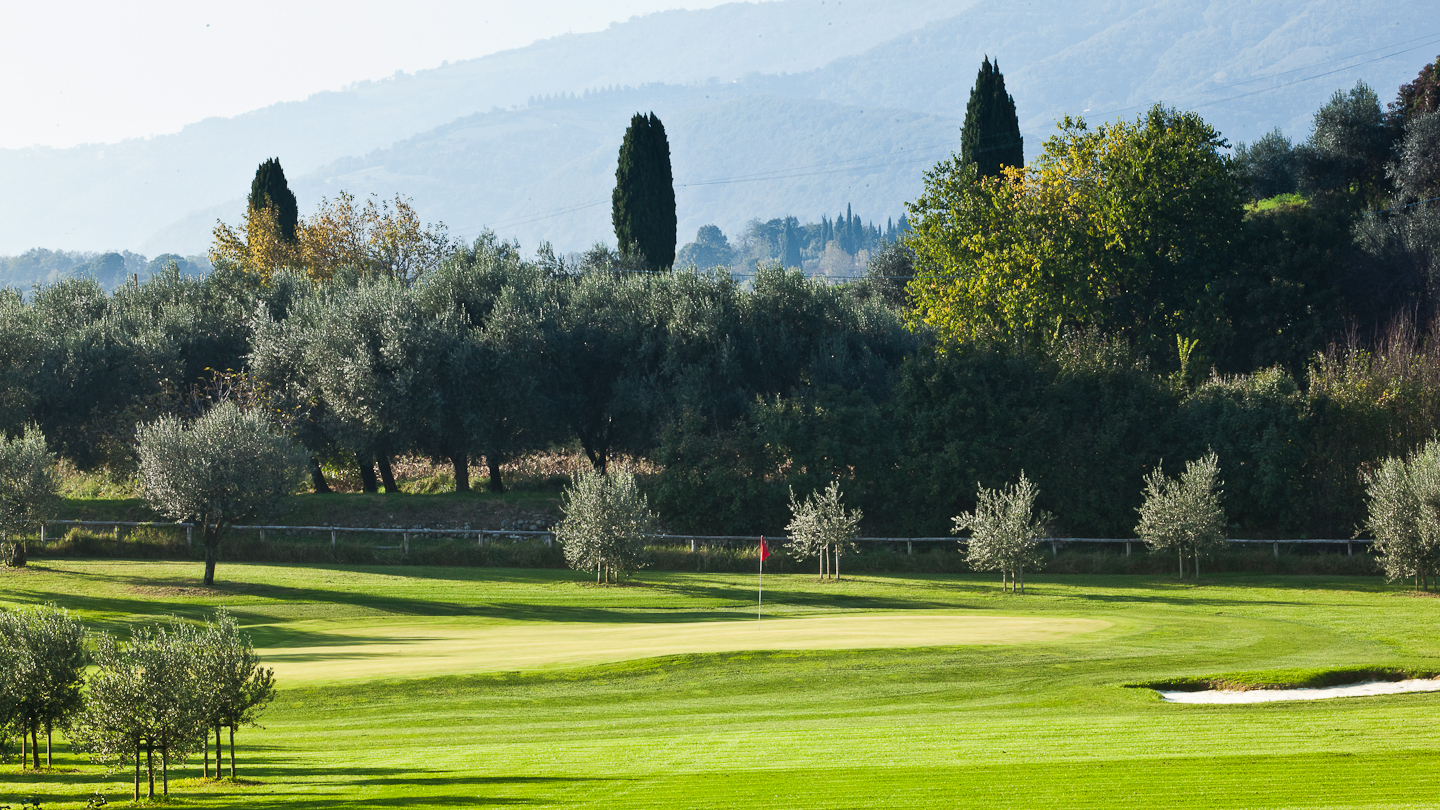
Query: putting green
point(409, 649)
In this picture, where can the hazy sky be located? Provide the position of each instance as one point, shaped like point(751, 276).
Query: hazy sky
point(87, 72)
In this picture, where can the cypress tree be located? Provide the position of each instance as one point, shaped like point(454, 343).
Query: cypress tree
point(643, 205)
point(790, 244)
point(991, 135)
point(269, 188)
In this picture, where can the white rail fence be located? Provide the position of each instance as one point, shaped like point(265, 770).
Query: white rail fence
point(695, 540)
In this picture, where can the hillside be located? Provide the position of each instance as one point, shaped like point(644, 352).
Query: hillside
point(744, 89)
point(101, 197)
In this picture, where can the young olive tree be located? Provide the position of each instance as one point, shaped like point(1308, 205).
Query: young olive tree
point(1005, 532)
point(607, 520)
point(145, 700)
point(1184, 513)
point(1404, 514)
point(47, 646)
point(14, 670)
point(226, 466)
point(821, 525)
point(239, 687)
point(28, 483)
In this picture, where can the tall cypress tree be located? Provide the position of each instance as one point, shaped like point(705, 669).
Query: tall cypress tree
point(991, 135)
point(790, 244)
point(643, 205)
point(269, 188)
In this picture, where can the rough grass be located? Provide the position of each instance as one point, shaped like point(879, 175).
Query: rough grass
point(1041, 724)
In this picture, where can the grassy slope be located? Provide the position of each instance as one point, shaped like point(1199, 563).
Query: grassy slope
point(1048, 725)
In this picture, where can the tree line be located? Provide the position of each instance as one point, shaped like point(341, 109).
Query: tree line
point(1177, 318)
point(150, 702)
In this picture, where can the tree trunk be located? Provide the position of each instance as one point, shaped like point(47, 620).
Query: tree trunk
point(232, 752)
point(837, 563)
point(212, 553)
point(49, 740)
point(317, 478)
point(35, 744)
point(17, 554)
point(368, 481)
point(205, 746)
point(137, 771)
point(497, 484)
point(164, 773)
point(387, 475)
point(1182, 563)
point(1197, 566)
point(219, 752)
point(150, 770)
point(461, 463)
point(24, 749)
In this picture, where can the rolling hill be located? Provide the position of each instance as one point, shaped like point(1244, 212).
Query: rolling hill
point(787, 107)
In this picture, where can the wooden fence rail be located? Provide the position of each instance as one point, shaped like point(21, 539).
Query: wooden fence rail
point(694, 539)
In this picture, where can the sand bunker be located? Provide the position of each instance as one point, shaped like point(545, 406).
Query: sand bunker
point(384, 650)
point(1322, 693)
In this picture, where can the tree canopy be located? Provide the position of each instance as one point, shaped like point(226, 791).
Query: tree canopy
point(990, 137)
point(643, 203)
point(269, 190)
point(1123, 228)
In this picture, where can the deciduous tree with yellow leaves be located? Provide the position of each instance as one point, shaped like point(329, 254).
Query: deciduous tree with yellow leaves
point(376, 238)
point(1125, 228)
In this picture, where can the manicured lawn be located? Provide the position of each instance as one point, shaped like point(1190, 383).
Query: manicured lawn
point(415, 687)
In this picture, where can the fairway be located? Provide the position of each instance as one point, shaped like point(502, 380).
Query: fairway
point(386, 650)
point(432, 687)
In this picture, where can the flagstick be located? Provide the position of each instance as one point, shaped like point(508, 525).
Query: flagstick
point(761, 601)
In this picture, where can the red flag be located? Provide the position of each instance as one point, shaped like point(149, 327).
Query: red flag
point(764, 550)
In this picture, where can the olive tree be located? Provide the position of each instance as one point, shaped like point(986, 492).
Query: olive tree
point(239, 687)
point(1005, 532)
point(28, 483)
point(146, 700)
point(821, 525)
point(607, 520)
point(1184, 513)
point(226, 466)
point(47, 648)
point(1404, 514)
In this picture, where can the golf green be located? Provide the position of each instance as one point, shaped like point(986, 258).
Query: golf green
point(399, 649)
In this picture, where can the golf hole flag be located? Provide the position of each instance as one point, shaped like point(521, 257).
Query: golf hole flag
point(760, 595)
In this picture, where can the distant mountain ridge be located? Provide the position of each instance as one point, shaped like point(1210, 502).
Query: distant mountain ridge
point(848, 111)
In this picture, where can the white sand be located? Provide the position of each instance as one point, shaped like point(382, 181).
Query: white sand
point(1274, 695)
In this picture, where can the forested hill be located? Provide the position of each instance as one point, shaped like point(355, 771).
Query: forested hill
point(826, 102)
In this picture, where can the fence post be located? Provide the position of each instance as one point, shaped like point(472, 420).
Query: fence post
point(1277, 550)
point(549, 539)
point(190, 537)
point(480, 539)
point(332, 539)
point(42, 534)
point(1054, 549)
point(1349, 549)
point(1127, 548)
point(692, 545)
point(909, 546)
point(262, 535)
point(407, 544)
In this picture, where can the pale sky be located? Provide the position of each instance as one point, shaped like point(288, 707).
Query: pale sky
point(99, 72)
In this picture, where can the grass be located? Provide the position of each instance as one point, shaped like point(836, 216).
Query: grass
point(1038, 721)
